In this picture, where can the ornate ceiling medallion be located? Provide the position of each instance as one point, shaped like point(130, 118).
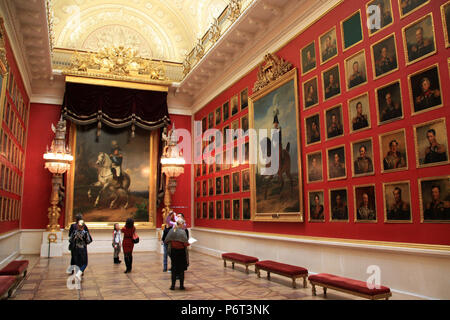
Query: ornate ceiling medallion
point(270, 70)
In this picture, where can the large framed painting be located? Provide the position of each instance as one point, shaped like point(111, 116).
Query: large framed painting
point(113, 176)
point(270, 108)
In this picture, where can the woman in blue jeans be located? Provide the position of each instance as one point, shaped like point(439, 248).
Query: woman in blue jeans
point(79, 240)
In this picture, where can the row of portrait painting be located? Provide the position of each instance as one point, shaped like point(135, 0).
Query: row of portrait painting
point(418, 40)
point(434, 198)
point(240, 182)
point(431, 147)
point(205, 210)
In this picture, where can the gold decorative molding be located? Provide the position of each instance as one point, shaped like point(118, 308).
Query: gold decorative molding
point(4, 66)
point(118, 84)
point(234, 10)
point(50, 19)
point(270, 70)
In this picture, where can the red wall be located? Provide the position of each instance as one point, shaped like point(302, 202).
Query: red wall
point(415, 232)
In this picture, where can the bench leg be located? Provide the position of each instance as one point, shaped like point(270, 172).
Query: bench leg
point(324, 291)
point(224, 263)
point(294, 285)
point(258, 272)
point(268, 275)
point(232, 265)
point(246, 268)
point(313, 287)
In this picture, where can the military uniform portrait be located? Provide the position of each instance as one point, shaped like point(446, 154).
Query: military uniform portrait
point(362, 155)
point(359, 113)
point(211, 210)
point(246, 215)
point(205, 210)
point(338, 205)
point(218, 209)
point(227, 209)
point(434, 195)
point(310, 93)
point(218, 186)
point(211, 120)
point(445, 13)
point(328, 45)
point(316, 208)
point(226, 129)
point(389, 103)
point(204, 188)
point(314, 167)
point(331, 82)
point(312, 125)
point(245, 180)
point(431, 143)
point(365, 204)
point(245, 153)
point(393, 151)
point(334, 122)
point(336, 163)
point(226, 111)
point(244, 123)
point(198, 189)
point(218, 115)
point(218, 162)
point(384, 55)
point(397, 202)
point(409, 6)
point(198, 210)
point(226, 184)
point(386, 18)
point(204, 125)
point(236, 184)
point(419, 39)
point(308, 56)
point(425, 89)
point(235, 128)
point(355, 70)
point(244, 98)
point(234, 105)
point(236, 209)
point(211, 186)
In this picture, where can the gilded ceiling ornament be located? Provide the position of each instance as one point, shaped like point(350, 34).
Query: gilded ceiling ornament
point(234, 10)
point(50, 21)
point(199, 50)
point(3, 61)
point(186, 67)
point(270, 70)
point(214, 31)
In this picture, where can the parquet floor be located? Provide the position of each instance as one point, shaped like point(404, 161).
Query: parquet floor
point(206, 279)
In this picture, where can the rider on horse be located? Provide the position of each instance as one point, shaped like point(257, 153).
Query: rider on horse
point(116, 158)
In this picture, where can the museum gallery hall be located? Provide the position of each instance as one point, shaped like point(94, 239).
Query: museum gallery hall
point(224, 150)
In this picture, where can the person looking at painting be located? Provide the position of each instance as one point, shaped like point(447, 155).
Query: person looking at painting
point(316, 209)
point(363, 164)
point(391, 109)
point(428, 98)
point(364, 212)
point(437, 209)
point(170, 222)
point(128, 244)
point(399, 210)
point(422, 46)
point(116, 158)
point(72, 229)
point(335, 128)
point(394, 159)
point(332, 88)
point(357, 77)
point(435, 152)
point(360, 121)
point(385, 63)
point(79, 240)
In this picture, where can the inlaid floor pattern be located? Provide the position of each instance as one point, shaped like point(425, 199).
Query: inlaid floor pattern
point(206, 279)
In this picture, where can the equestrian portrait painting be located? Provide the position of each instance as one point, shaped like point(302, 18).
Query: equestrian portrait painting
point(110, 181)
point(275, 175)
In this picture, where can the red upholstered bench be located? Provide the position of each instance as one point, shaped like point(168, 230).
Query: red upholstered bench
point(355, 287)
point(15, 268)
point(282, 269)
point(7, 284)
point(238, 258)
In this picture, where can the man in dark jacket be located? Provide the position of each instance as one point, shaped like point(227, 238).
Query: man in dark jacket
point(72, 229)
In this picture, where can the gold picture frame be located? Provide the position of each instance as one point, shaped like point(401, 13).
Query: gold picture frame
point(397, 184)
point(411, 90)
point(347, 71)
point(342, 30)
point(366, 111)
point(313, 43)
point(403, 15)
point(221, 210)
point(304, 92)
point(402, 106)
point(338, 79)
point(444, 206)
point(232, 209)
point(334, 31)
point(307, 131)
point(353, 160)
point(356, 204)
point(153, 162)
point(312, 155)
point(374, 58)
point(405, 42)
point(339, 177)
point(309, 204)
point(391, 14)
point(331, 201)
point(445, 23)
point(330, 110)
point(442, 133)
point(391, 136)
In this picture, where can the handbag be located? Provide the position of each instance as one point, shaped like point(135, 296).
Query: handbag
point(135, 238)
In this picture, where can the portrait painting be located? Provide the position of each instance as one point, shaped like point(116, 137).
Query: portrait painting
point(431, 143)
point(355, 70)
point(334, 122)
point(234, 105)
point(385, 10)
point(352, 33)
point(425, 90)
point(245, 180)
point(310, 93)
point(211, 210)
point(204, 188)
point(365, 204)
point(211, 185)
point(316, 208)
point(409, 6)
point(245, 154)
point(384, 56)
point(393, 151)
point(244, 98)
point(235, 128)
point(211, 120)
point(218, 115)
point(246, 214)
point(331, 82)
point(312, 125)
point(205, 210)
point(419, 39)
point(237, 157)
point(236, 209)
point(110, 180)
point(244, 124)
point(314, 167)
point(218, 209)
point(336, 163)
point(198, 210)
point(276, 107)
point(389, 103)
point(397, 202)
point(218, 162)
point(434, 195)
point(226, 111)
point(328, 45)
point(211, 167)
point(236, 182)
point(204, 168)
point(308, 56)
point(204, 125)
point(227, 209)
point(362, 158)
point(198, 189)
point(197, 170)
point(445, 13)
point(218, 186)
point(226, 184)
point(359, 113)
point(338, 205)
point(225, 134)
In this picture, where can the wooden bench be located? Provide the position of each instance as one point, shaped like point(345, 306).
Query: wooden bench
point(7, 285)
point(17, 268)
point(350, 286)
point(238, 258)
point(282, 269)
